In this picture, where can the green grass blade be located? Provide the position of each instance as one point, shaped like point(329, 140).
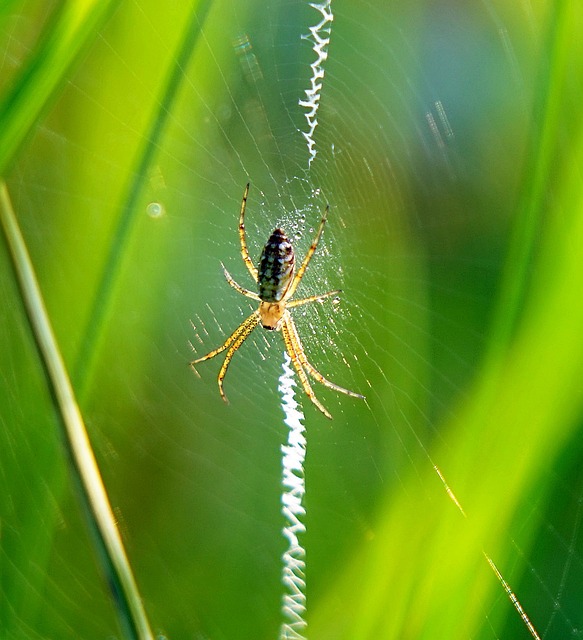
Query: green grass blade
point(87, 473)
point(71, 29)
point(547, 119)
point(129, 209)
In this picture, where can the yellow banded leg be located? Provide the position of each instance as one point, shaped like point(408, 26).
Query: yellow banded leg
point(229, 278)
point(240, 336)
point(300, 274)
point(292, 349)
point(317, 298)
point(244, 250)
point(308, 367)
point(215, 352)
point(225, 345)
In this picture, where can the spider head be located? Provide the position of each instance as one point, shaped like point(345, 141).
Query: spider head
point(271, 314)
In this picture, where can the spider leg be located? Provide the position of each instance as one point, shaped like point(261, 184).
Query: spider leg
point(295, 353)
point(300, 273)
point(228, 342)
point(308, 367)
point(244, 250)
point(317, 298)
point(238, 287)
point(242, 334)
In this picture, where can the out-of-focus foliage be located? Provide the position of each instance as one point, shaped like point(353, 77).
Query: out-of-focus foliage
point(449, 147)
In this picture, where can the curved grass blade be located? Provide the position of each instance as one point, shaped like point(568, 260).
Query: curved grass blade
point(72, 28)
point(105, 289)
point(84, 465)
point(548, 117)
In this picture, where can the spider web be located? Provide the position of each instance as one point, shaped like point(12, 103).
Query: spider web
point(128, 192)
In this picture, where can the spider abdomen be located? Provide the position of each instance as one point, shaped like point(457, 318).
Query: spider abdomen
point(276, 267)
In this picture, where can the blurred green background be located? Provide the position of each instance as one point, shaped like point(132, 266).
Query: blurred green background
point(449, 148)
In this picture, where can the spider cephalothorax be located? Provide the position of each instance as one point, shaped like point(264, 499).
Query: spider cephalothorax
point(276, 281)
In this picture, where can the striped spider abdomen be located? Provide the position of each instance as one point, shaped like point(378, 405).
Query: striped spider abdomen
point(276, 267)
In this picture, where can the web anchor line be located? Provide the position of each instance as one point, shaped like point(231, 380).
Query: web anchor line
point(293, 486)
point(513, 598)
point(320, 37)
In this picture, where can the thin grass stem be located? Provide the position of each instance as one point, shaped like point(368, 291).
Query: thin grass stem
point(93, 494)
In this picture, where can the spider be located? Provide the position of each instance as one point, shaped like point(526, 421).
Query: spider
point(276, 285)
